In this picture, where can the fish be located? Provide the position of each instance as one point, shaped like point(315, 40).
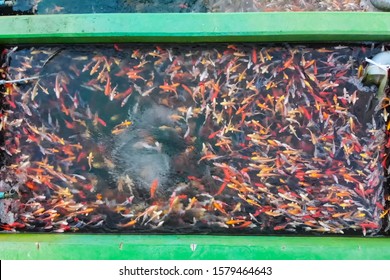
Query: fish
point(58, 89)
point(90, 158)
point(272, 129)
point(153, 188)
point(128, 224)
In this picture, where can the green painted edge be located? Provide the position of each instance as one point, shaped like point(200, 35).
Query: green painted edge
point(193, 28)
point(178, 247)
point(196, 28)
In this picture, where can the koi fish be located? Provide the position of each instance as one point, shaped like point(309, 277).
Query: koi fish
point(153, 188)
point(129, 224)
point(170, 88)
point(57, 88)
point(90, 158)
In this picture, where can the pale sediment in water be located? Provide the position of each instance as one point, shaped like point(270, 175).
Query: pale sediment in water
point(140, 152)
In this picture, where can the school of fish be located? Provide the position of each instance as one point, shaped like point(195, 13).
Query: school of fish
point(267, 139)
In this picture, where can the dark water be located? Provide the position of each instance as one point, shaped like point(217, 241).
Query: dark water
point(197, 139)
point(178, 6)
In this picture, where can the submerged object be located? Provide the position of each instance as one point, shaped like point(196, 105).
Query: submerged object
point(7, 3)
point(377, 72)
point(13, 7)
point(9, 194)
point(381, 4)
point(376, 69)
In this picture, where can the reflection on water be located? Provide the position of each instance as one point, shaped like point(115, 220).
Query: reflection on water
point(216, 138)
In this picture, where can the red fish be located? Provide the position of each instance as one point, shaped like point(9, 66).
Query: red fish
point(254, 56)
point(153, 188)
point(107, 89)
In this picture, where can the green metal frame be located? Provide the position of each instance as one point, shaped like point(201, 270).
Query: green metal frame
point(192, 28)
point(169, 247)
point(183, 28)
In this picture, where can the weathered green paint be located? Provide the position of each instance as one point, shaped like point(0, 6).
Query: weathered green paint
point(180, 28)
point(166, 247)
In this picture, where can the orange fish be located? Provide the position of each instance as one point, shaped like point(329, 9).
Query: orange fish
point(169, 88)
point(187, 89)
point(221, 188)
point(234, 222)
point(129, 224)
point(153, 188)
point(219, 207)
point(31, 185)
point(107, 89)
point(69, 125)
point(254, 56)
